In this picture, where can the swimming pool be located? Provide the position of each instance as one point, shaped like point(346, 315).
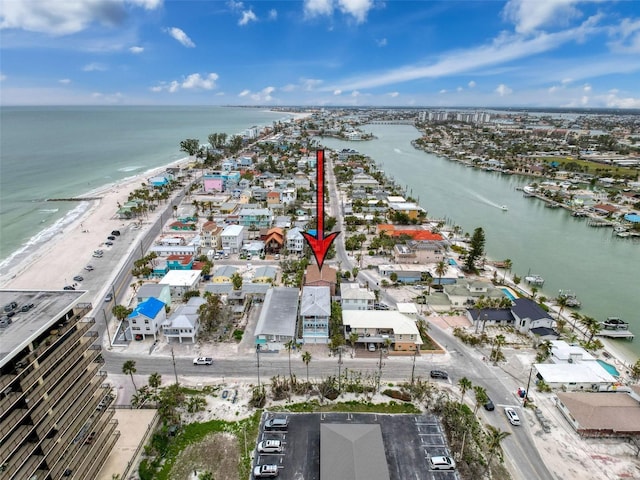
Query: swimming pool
point(609, 368)
point(508, 293)
point(452, 262)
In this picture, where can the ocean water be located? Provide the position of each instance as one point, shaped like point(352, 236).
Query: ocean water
point(62, 152)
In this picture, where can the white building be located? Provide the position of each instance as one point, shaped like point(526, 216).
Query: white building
point(379, 327)
point(315, 311)
point(232, 238)
point(184, 323)
point(295, 240)
point(181, 281)
point(147, 317)
point(356, 298)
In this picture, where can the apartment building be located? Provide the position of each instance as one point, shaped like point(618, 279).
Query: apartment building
point(54, 420)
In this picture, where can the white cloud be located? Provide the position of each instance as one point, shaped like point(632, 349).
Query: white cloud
point(116, 97)
point(244, 93)
point(355, 93)
point(136, 50)
point(337, 92)
point(567, 80)
point(316, 8)
point(627, 36)
point(587, 87)
point(614, 101)
point(290, 87)
point(459, 89)
point(180, 36)
point(64, 81)
point(273, 14)
point(194, 81)
point(3, 77)
point(534, 15)
point(471, 84)
point(443, 91)
point(393, 94)
point(553, 89)
point(584, 100)
point(382, 42)
point(94, 67)
point(503, 90)
point(67, 17)
point(505, 48)
point(310, 83)
point(357, 9)
point(247, 16)
point(263, 95)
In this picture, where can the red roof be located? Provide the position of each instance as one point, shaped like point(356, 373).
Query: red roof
point(415, 234)
point(183, 259)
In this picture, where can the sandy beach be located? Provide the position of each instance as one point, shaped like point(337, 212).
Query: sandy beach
point(54, 264)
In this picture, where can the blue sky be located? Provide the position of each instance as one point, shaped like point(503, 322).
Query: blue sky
point(536, 53)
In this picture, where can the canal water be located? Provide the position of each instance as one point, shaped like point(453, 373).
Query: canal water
point(602, 269)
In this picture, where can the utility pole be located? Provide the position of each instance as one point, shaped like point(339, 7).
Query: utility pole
point(107, 325)
point(340, 369)
point(175, 372)
point(258, 357)
point(413, 367)
point(379, 368)
point(526, 393)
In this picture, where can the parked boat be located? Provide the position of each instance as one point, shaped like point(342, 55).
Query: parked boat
point(571, 298)
point(615, 323)
point(504, 208)
point(579, 213)
point(552, 205)
point(534, 280)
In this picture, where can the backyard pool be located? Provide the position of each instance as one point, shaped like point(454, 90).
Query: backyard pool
point(508, 293)
point(609, 368)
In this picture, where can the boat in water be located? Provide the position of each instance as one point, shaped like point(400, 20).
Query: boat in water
point(504, 208)
point(533, 279)
point(615, 323)
point(571, 298)
point(529, 191)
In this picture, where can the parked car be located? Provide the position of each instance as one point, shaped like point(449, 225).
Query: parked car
point(489, 406)
point(439, 374)
point(89, 268)
point(109, 243)
point(78, 278)
point(115, 233)
point(68, 287)
point(372, 347)
point(276, 424)
point(109, 297)
point(203, 361)
point(270, 446)
point(90, 438)
point(442, 463)
point(512, 416)
point(10, 306)
point(111, 237)
point(97, 255)
point(265, 471)
point(138, 337)
point(276, 256)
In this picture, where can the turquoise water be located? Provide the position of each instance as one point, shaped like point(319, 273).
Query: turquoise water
point(609, 368)
point(508, 294)
point(60, 152)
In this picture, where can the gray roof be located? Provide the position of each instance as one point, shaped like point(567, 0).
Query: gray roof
point(218, 288)
point(279, 312)
point(353, 451)
point(265, 271)
point(225, 271)
point(527, 308)
point(151, 290)
point(315, 302)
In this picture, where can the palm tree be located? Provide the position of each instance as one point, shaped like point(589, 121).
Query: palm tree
point(508, 264)
point(306, 358)
point(129, 368)
point(591, 325)
point(441, 269)
point(576, 318)
point(353, 338)
point(481, 397)
point(561, 301)
point(290, 345)
point(465, 384)
point(121, 312)
point(494, 438)
point(498, 342)
point(155, 380)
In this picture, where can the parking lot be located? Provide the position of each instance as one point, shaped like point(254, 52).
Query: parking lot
point(409, 440)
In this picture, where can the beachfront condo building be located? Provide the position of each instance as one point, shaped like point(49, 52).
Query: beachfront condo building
point(54, 415)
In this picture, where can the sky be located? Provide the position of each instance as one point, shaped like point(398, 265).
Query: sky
point(432, 53)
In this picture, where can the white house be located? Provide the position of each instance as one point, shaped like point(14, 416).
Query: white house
point(181, 281)
point(379, 326)
point(295, 240)
point(184, 323)
point(232, 238)
point(147, 317)
point(315, 311)
point(277, 321)
point(356, 298)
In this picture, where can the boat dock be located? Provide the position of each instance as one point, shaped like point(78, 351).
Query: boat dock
point(616, 334)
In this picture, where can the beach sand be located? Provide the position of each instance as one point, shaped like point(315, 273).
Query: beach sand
point(70, 251)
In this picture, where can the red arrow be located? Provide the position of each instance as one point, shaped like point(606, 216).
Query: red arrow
point(320, 244)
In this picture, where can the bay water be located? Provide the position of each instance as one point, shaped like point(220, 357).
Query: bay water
point(602, 269)
point(63, 152)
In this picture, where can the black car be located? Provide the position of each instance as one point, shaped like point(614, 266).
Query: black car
point(68, 287)
point(109, 243)
point(489, 406)
point(26, 307)
point(78, 278)
point(111, 237)
point(439, 374)
point(115, 233)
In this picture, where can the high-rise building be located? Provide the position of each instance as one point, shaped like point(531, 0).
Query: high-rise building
point(55, 420)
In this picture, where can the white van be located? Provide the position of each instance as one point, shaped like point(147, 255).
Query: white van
point(442, 463)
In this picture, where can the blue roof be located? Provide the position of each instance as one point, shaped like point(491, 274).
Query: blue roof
point(149, 308)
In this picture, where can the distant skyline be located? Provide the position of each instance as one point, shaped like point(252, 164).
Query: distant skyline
point(516, 53)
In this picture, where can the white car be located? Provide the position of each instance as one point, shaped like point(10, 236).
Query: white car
point(512, 416)
point(264, 471)
point(442, 463)
point(203, 361)
point(270, 446)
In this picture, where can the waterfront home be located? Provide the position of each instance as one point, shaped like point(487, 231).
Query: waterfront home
point(598, 415)
point(531, 317)
point(411, 209)
point(315, 312)
point(405, 273)
point(184, 323)
point(491, 316)
point(465, 292)
point(181, 281)
point(354, 297)
point(147, 317)
point(277, 322)
point(382, 328)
